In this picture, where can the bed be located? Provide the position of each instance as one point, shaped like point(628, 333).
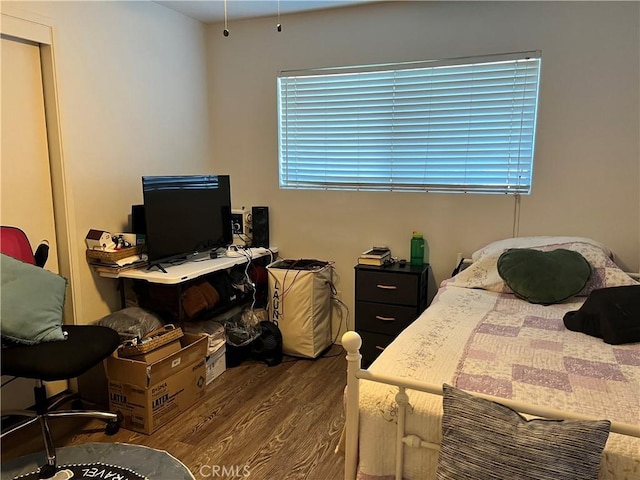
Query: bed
point(480, 337)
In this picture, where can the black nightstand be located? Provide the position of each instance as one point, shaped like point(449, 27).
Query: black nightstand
point(388, 299)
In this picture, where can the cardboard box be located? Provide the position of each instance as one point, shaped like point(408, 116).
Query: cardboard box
point(151, 394)
point(216, 363)
point(212, 328)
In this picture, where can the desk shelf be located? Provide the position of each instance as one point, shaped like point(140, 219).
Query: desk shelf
point(176, 277)
point(189, 270)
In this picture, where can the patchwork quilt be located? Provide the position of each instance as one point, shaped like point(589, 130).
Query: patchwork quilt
point(494, 343)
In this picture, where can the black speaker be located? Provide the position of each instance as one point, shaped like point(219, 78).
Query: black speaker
point(138, 221)
point(260, 226)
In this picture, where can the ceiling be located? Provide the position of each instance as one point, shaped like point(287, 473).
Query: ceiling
point(212, 11)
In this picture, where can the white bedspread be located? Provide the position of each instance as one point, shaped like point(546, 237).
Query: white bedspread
point(496, 344)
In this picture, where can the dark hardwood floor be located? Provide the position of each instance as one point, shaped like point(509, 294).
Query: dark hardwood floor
point(280, 422)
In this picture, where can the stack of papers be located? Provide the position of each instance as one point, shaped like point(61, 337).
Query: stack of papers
point(114, 266)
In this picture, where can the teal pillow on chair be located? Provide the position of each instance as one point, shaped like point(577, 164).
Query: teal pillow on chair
point(32, 302)
point(544, 277)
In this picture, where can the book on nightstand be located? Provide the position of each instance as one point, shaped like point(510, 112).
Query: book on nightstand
point(375, 256)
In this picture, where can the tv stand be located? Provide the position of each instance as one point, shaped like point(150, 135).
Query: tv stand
point(156, 265)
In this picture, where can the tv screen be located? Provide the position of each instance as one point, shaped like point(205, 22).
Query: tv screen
point(186, 214)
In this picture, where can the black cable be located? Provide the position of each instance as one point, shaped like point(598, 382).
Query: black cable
point(249, 256)
point(286, 290)
point(9, 381)
point(343, 305)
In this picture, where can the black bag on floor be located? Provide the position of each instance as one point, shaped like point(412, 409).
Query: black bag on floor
point(268, 346)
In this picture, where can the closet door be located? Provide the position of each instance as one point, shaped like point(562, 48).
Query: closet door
point(26, 199)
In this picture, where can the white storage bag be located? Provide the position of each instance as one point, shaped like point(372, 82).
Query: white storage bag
point(300, 303)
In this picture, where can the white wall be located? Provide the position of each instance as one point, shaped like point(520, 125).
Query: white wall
point(132, 89)
point(139, 94)
point(587, 149)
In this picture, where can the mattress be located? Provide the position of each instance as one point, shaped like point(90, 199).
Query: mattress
point(494, 343)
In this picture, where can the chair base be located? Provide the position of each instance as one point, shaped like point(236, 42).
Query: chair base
point(43, 412)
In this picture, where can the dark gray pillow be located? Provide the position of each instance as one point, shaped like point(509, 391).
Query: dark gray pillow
point(32, 302)
point(486, 440)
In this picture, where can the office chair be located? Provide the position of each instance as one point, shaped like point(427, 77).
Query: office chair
point(84, 347)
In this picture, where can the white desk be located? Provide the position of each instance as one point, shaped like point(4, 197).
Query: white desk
point(179, 273)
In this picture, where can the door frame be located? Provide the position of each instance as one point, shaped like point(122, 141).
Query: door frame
point(35, 28)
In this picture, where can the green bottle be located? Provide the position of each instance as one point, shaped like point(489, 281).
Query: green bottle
point(417, 249)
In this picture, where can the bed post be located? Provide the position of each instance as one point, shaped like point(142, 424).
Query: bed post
point(402, 400)
point(352, 342)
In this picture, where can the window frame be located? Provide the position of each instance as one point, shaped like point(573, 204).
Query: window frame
point(523, 128)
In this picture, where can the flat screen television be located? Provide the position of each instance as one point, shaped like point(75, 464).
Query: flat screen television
point(186, 215)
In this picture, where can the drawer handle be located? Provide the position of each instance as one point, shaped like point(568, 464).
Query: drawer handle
point(386, 319)
point(379, 347)
point(387, 287)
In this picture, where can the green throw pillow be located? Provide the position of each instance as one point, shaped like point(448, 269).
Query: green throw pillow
point(32, 302)
point(544, 277)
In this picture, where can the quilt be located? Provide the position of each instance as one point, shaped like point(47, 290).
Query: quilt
point(494, 343)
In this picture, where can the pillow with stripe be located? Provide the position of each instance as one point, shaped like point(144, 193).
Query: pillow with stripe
point(485, 440)
point(483, 273)
point(537, 242)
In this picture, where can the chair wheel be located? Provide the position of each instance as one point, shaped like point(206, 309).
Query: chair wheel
point(47, 471)
point(77, 404)
point(111, 428)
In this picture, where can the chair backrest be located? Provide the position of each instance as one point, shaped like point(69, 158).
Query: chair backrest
point(14, 242)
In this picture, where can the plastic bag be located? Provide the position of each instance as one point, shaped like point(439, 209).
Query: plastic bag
point(131, 322)
point(243, 329)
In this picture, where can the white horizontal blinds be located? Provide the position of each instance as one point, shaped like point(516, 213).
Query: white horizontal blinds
point(434, 126)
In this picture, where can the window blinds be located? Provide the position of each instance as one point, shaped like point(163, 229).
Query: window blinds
point(462, 125)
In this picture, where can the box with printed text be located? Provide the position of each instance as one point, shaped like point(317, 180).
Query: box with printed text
point(151, 394)
point(216, 363)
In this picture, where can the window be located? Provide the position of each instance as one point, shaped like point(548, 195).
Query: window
point(460, 125)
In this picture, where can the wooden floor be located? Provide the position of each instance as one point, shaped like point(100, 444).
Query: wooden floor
point(279, 422)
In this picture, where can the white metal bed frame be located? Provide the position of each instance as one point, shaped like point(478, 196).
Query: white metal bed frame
point(352, 342)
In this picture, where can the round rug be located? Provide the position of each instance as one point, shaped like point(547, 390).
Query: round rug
point(112, 461)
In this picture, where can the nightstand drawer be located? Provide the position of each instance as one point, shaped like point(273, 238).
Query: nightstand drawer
point(383, 318)
point(372, 345)
point(387, 287)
